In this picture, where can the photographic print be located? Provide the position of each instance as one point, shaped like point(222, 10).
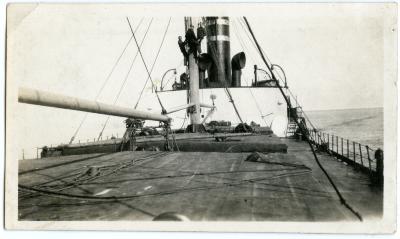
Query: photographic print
point(201, 117)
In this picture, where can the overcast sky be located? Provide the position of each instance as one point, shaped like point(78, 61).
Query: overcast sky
point(332, 55)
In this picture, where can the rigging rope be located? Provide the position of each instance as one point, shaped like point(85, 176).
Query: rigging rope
point(241, 40)
point(227, 91)
point(152, 67)
point(106, 81)
point(126, 77)
point(184, 121)
point(169, 80)
point(251, 92)
point(145, 65)
point(302, 129)
point(246, 30)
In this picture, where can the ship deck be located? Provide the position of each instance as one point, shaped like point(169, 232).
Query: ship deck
point(139, 185)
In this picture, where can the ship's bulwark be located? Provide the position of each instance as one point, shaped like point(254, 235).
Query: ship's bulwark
point(199, 185)
point(185, 142)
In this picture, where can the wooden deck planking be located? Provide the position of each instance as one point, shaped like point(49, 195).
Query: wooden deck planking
point(203, 186)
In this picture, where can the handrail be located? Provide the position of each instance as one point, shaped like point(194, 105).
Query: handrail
point(361, 156)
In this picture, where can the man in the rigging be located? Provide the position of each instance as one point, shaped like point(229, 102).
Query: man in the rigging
point(182, 45)
point(191, 40)
point(201, 33)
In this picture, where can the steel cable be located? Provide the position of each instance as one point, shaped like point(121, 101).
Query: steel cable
point(303, 131)
point(126, 77)
point(251, 92)
point(227, 91)
point(145, 65)
point(106, 81)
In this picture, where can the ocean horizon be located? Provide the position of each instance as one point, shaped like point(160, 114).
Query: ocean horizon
point(362, 125)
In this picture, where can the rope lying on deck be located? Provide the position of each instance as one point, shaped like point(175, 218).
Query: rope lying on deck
point(162, 193)
point(294, 168)
point(82, 177)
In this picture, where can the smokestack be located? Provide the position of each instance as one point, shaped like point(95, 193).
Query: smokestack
point(218, 47)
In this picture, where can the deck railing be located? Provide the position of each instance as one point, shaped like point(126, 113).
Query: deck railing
point(360, 156)
point(353, 153)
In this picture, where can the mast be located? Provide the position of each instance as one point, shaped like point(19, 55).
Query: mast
point(194, 95)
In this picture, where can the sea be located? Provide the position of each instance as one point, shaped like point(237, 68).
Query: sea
point(364, 126)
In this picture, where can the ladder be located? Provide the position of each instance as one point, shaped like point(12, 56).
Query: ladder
point(291, 128)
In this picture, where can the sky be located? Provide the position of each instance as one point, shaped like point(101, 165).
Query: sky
point(332, 54)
